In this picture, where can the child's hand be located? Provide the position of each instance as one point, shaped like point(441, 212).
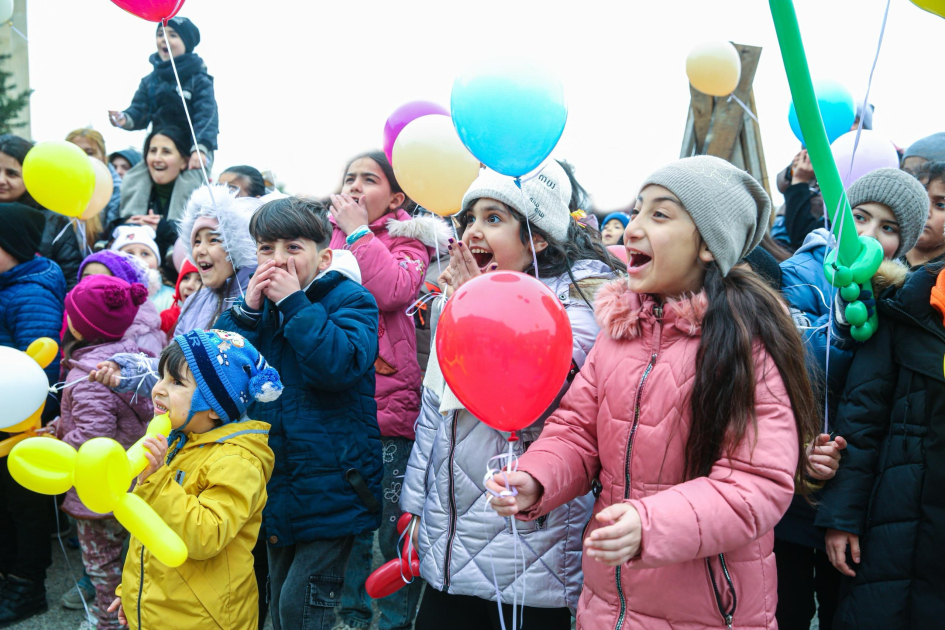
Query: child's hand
point(282, 283)
point(803, 169)
point(108, 373)
point(463, 267)
point(118, 119)
point(258, 285)
point(837, 541)
point(529, 491)
point(116, 605)
point(824, 456)
point(349, 214)
point(619, 541)
point(155, 452)
point(195, 158)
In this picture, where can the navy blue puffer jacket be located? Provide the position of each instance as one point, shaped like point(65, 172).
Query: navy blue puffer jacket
point(327, 477)
point(32, 296)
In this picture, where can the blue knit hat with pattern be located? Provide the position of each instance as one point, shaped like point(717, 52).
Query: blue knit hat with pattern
point(230, 374)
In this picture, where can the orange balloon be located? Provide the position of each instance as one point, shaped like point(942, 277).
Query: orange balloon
point(104, 187)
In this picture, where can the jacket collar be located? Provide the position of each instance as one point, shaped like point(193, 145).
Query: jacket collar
point(622, 314)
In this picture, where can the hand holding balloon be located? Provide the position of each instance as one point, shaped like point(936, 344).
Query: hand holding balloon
point(802, 171)
point(155, 451)
point(527, 495)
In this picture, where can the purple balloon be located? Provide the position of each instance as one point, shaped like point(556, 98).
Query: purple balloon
point(873, 152)
point(402, 116)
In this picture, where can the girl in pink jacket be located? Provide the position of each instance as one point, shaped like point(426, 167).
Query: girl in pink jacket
point(393, 251)
point(691, 412)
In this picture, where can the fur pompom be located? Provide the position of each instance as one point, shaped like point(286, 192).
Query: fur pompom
point(266, 386)
point(139, 294)
point(114, 297)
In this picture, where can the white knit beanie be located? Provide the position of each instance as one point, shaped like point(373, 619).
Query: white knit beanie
point(548, 196)
point(135, 234)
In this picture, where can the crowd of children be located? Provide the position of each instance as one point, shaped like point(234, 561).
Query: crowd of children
point(723, 452)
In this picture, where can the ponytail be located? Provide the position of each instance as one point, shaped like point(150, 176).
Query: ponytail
point(741, 309)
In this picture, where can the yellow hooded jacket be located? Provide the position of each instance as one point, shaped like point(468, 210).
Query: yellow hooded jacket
point(212, 495)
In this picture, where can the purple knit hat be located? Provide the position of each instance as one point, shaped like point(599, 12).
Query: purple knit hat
point(102, 308)
point(121, 265)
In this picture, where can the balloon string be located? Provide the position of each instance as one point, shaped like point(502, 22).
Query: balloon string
point(748, 111)
point(528, 224)
point(180, 90)
point(88, 614)
point(408, 531)
point(72, 220)
point(416, 306)
point(17, 31)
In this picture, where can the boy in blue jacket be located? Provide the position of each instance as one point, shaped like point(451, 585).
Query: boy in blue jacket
point(32, 293)
point(306, 310)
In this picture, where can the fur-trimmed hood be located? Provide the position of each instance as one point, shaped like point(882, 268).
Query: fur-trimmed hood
point(431, 231)
point(619, 310)
point(891, 273)
point(231, 212)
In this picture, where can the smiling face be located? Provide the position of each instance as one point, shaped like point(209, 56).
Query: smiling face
point(164, 161)
point(143, 252)
point(211, 259)
point(11, 179)
point(173, 395)
point(612, 232)
point(190, 285)
point(666, 256)
point(879, 221)
point(365, 178)
point(309, 260)
point(177, 44)
point(492, 233)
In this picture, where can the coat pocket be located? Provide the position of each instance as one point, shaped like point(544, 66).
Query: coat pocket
point(324, 591)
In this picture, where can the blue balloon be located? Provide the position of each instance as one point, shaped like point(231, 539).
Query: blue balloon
point(510, 114)
point(836, 108)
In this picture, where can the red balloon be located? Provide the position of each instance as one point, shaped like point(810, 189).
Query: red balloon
point(404, 115)
point(503, 343)
point(151, 10)
point(619, 251)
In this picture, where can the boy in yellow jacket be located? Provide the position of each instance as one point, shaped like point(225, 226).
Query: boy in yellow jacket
point(210, 488)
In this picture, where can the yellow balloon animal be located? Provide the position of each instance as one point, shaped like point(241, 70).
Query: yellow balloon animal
point(101, 472)
point(23, 390)
point(932, 6)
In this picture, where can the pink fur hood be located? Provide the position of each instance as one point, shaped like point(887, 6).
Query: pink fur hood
point(619, 311)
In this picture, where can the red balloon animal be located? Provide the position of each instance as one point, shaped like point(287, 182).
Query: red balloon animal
point(389, 578)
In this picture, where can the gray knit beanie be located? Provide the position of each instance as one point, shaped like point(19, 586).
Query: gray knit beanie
point(548, 197)
point(730, 209)
point(903, 194)
point(932, 148)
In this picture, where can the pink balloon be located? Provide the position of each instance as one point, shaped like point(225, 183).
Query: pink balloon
point(407, 113)
point(151, 10)
point(180, 253)
point(618, 251)
point(873, 152)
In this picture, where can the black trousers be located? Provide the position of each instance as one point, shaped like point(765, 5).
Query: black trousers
point(802, 572)
point(440, 610)
point(25, 548)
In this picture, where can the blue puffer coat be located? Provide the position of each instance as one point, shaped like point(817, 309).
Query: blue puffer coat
point(327, 477)
point(158, 101)
point(32, 295)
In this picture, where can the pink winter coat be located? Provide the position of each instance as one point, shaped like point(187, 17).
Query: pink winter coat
point(393, 260)
point(91, 410)
point(625, 421)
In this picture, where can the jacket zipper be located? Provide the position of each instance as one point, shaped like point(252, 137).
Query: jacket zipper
point(658, 312)
point(452, 506)
point(727, 616)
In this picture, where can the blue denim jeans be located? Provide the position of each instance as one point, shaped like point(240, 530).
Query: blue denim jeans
point(305, 582)
point(397, 611)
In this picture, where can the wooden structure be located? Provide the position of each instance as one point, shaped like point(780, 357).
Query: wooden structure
point(721, 127)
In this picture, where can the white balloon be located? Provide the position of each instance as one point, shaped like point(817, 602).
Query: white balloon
point(23, 386)
point(6, 12)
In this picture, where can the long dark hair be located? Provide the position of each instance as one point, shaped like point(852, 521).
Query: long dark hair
point(17, 148)
point(741, 310)
point(70, 344)
point(381, 160)
point(257, 185)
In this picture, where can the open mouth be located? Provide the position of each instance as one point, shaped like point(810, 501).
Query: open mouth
point(482, 257)
point(204, 267)
point(637, 260)
point(159, 408)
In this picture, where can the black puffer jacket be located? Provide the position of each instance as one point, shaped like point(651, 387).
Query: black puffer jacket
point(60, 245)
point(890, 489)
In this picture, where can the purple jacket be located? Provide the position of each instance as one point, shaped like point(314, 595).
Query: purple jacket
point(91, 410)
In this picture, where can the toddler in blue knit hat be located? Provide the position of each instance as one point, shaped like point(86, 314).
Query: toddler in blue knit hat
point(207, 480)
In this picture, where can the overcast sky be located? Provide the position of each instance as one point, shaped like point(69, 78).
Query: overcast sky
point(302, 86)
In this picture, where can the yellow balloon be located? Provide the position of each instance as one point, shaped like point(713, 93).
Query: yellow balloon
point(43, 351)
point(142, 521)
point(102, 474)
point(104, 187)
point(42, 465)
point(159, 425)
point(59, 176)
point(432, 165)
point(936, 7)
point(714, 68)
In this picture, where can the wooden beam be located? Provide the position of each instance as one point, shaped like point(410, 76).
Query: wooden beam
point(702, 107)
point(727, 116)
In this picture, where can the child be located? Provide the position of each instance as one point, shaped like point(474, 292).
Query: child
point(188, 283)
point(393, 252)
point(124, 160)
point(158, 100)
point(614, 225)
point(245, 180)
point(146, 327)
point(883, 510)
point(138, 241)
point(320, 327)
point(891, 206)
point(931, 244)
point(691, 412)
point(32, 289)
point(99, 312)
point(458, 543)
point(208, 482)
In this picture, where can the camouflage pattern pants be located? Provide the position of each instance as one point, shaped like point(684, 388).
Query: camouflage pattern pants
point(101, 541)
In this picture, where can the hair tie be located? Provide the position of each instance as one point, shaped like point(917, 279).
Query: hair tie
point(578, 215)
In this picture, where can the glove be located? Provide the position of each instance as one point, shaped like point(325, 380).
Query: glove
point(866, 297)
